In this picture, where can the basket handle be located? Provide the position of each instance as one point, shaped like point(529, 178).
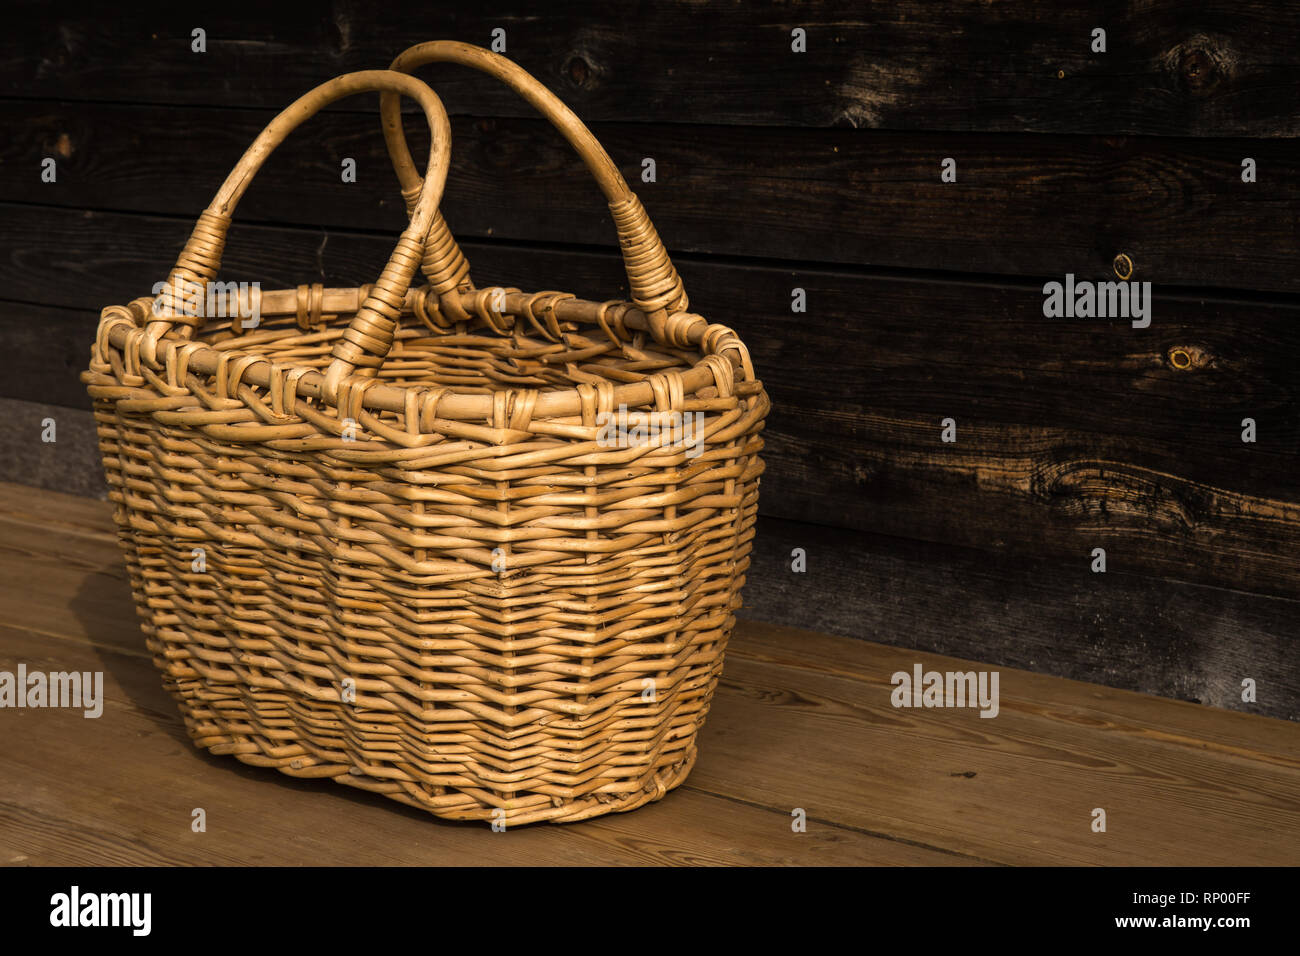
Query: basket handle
point(653, 283)
point(369, 336)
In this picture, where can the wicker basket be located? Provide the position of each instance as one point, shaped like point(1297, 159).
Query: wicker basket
point(402, 537)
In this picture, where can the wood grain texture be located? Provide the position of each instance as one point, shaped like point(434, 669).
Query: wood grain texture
point(1182, 724)
point(917, 347)
point(801, 720)
point(1023, 205)
point(130, 803)
point(1019, 788)
point(70, 463)
point(1052, 616)
point(935, 349)
point(1221, 68)
point(1072, 434)
point(50, 347)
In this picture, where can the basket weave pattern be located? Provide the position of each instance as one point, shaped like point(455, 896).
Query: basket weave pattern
point(417, 567)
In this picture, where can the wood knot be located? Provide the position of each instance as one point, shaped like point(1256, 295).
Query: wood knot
point(578, 71)
point(1200, 64)
point(1123, 266)
point(1183, 357)
point(1197, 70)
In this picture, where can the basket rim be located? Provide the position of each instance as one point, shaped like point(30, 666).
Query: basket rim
point(723, 362)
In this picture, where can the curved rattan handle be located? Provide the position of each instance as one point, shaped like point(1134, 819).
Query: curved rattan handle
point(369, 337)
point(653, 283)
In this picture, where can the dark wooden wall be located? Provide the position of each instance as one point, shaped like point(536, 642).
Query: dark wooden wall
point(778, 170)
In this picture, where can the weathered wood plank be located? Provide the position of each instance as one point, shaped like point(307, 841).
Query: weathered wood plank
point(70, 463)
point(879, 784)
point(48, 347)
point(1023, 205)
point(1071, 435)
point(901, 347)
point(1019, 788)
point(1120, 711)
point(121, 789)
point(1119, 629)
point(57, 511)
point(1220, 68)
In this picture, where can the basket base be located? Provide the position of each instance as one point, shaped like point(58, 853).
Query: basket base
point(571, 811)
point(467, 805)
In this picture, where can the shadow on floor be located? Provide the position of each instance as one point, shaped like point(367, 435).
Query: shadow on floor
point(104, 607)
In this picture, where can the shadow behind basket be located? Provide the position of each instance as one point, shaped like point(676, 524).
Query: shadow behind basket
point(473, 549)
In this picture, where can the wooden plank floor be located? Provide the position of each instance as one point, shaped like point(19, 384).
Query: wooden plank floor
point(801, 720)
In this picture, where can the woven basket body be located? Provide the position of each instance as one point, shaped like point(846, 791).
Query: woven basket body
point(487, 567)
